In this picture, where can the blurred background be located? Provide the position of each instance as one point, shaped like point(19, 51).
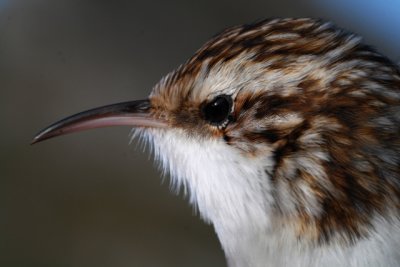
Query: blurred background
point(90, 199)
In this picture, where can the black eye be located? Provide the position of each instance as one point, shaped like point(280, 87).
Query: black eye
point(217, 111)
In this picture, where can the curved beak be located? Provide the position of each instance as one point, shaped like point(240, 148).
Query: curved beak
point(132, 113)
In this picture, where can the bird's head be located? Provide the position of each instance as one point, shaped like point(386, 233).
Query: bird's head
point(283, 122)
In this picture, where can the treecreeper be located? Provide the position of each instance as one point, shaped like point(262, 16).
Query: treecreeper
point(285, 133)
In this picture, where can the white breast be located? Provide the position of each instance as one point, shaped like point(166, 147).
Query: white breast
point(233, 193)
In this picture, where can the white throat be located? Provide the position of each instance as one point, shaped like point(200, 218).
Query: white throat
point(229, 190)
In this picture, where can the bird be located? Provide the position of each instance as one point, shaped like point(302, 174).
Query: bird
point(285, 134)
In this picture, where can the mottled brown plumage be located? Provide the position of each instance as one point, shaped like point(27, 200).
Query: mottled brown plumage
point(286, 135)
point(347, 118)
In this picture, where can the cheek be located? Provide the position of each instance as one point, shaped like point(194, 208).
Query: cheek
point(255, 134)
point(194, 126)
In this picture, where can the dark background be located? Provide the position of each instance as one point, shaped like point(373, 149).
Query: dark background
point(90, 199)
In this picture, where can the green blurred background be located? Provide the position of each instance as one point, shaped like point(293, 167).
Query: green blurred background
point(90, 199)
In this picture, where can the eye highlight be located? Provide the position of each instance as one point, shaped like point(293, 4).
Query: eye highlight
point(218, 110)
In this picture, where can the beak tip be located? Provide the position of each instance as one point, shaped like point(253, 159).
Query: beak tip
point(40, 137)
point(35, 140)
